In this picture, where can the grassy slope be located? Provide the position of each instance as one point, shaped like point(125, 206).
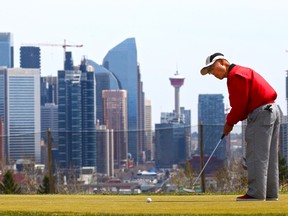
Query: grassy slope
point(136, 205)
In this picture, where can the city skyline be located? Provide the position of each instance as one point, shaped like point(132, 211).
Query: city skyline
point(175, 37)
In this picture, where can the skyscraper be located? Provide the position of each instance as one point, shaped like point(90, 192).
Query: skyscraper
point(105, 150)
point(69, 119)
point(88, 103)
point(115, 118)
point(173, 134)
point(149, 147)
point(30, 57)
point(3, 77)
point(212, 116)
point(122, 60)
point(283, 136)
point(6, 50)
point(2, 153)
point(173, 138)
point(76, 116)
point(22, 111)
point(49, 119)
point(105, 80)
point(170, 144)
point(49, 90)
point(141, 120)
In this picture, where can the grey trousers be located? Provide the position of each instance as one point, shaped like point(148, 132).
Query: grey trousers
point(262, 152)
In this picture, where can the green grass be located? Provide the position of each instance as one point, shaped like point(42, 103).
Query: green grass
point(136, 205)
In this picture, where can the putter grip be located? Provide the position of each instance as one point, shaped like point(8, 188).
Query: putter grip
point(223, 135)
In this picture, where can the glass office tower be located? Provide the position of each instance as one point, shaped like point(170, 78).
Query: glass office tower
point(212, 116)
point(76, 116)
point(105, 80)
point(22, 111)
point(6, 50)
point(69, 119)
point(30, 57)
point(122, 60)
point(3, 74)
point(49, 119)
point(170, 144)
point(149, 146)
point(88, 103)
point(115, 118)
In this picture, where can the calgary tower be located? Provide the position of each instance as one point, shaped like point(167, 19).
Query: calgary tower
point(177, 81)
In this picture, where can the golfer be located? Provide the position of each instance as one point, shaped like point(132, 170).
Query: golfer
point(252, 98)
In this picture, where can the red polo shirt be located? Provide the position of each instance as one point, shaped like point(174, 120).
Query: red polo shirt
point(247, 91)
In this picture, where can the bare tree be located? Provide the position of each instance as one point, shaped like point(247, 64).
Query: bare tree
point(231, 177)
point(33, 176)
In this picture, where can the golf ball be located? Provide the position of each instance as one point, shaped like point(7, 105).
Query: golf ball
point(149, 200)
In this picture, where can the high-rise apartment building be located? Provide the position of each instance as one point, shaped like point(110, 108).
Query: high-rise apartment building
point(212, 116)
point(22, 114)
point(76, 116)
point(122, 60)
point(30, 57)
point(6, 49)
point(115, 118)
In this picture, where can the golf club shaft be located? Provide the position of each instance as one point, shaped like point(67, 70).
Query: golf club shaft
point(209, 159)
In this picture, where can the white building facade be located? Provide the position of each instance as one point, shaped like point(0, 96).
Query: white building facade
point(22, 111)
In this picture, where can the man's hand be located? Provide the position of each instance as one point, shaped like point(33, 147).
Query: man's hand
point(227, 129)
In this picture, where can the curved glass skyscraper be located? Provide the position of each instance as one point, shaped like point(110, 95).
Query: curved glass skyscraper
point(122, 61)
point(105, 80)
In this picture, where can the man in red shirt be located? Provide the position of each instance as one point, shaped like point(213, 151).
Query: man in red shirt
point(252, 98)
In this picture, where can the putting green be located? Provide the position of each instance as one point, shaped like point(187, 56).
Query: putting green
point(137, 205)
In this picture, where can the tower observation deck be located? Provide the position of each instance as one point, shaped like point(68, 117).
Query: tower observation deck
point(177, 81)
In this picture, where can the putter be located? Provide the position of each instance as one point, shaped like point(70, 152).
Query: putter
point(209, 159)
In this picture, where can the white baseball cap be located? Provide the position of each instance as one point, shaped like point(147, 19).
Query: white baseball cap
point(210, 60)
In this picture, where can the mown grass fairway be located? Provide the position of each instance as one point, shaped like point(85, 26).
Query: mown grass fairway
point(136, 205)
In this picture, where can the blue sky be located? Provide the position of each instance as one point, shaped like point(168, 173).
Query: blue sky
point(170, 35)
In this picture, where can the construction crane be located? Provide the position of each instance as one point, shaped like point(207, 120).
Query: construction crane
point(64, 45)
